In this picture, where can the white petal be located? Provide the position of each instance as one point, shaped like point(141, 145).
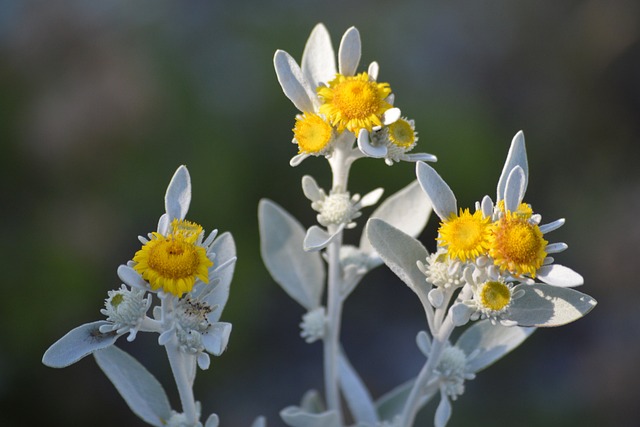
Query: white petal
point(364, 144)
point(131, 278)
point(293, 83)
point(373, 70)
point(514, 189)
point(441, 197)
point(391, 116)
point(545, 228)
point(371, 198)
point(559, 275)
point(517, 156)
point(311, 189)
point(318, 58)
point(421, 157)
point(163, 225)
point(349, 52)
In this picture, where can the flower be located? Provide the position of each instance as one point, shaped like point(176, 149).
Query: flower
point(465, 236)
point(313, 135)
point(313, 325)
point(442, 271)
point(174, 261)
point(125, 310)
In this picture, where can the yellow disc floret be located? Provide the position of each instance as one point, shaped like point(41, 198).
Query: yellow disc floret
point(517, 245)
point(354, 102)
point(494, 296)
point(402, 134)
point(465, 236)
point(312, 134)
point(173, 262)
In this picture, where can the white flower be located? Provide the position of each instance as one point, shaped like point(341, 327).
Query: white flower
point(126, 311)
point(313, 325)
point(442, 271)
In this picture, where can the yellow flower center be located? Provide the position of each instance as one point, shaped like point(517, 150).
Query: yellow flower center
point(401, 134)
point(173, 262)
point(495, 295)
point(517, 246)
point(354, 102)
point(312, 134)
point(465, 236)
point(524, 210)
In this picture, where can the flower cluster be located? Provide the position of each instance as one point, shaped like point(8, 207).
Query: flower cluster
point(340, 104)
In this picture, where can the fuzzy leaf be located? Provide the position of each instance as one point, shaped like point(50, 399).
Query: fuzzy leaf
point(559, 275)
point(517, 156)
point(178, 195)
point(312, 402)
point(217, 337)
point(258, 422)
point(443, 412)
point(212, 421)
point(318, 238)
point(292, 81)
point(546, 305)
point(296, 417)
point(493, 342)
point(140, 390)
point(392, 403)
point(355, 393)
point(349, 52)
point(440, 195)
point(408, 210)
point(301, 274)
point(514, 190)
point(400, 252)
point(78, 343)
point(318, 59)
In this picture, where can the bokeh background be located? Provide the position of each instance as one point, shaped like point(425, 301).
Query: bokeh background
point(101, 101)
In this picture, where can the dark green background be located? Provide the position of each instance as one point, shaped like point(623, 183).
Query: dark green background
point(101, 101)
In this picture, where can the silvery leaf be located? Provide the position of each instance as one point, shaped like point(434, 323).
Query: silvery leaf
point(317, 238)
point(311, 189)
point(349, 52)
point(443, 412)
point(424, 343)
point(212, 421)
point(373, 70)
point(514, 190)
point(216, 338)
point(355, 393)
point(293, 83)
point(258, 422)
point(78, 343)
point(371, 198)
point(301, 274)
point(546, 305)
point(296, 417)
point(392, 402)
point(178, 195)
point(140, 390)
point(365, 145)
point(318, 59)
point(440, 195)
point(559, 275)
point(400, 252)
point(408, 210)
point(312, 402)
point(492, 342)
point(517, 156)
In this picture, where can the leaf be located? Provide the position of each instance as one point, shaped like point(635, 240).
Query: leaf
point(443, 412)
point(78, 343)
point(492, 341)
point(392, 403)
point(215, 340)
point(349, 52)
point(301, 274)
point(318, 238)
point(440, 195)
point(140, 390)
point(212, 421)
point(399, 251)
point(408, 210)
point(297, 417)
point(318, 59)
point(258, 422)
point(517, 156)
point(355, 393)
point(559, 275)
point(514, 190)
point(293, 83)
point(546, 305)
point(178, 195)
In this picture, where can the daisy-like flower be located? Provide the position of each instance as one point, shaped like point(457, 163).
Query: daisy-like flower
point(442, 271)
point(394, 142)
point(172, 262)
point(465, 236)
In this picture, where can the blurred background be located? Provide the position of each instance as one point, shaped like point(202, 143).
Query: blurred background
point(100, 102)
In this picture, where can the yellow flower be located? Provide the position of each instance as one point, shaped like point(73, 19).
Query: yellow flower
point(173, 262)
point(312, 134)
point(465, 236)
point(354, 102)
point(517, 245)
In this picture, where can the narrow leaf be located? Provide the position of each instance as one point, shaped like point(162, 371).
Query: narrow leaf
point(78, 343)
point(296, 417)
point(559, 275)
point(318, 59)
point(301, 274)
point(355, 393)
point(517, 156)
point(293, 83)
point(440, 195)
point(514, 190)
point(349, 52)
point(178, 195)
point(140, 390)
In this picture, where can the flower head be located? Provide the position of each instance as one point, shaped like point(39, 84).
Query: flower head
point(174, 261)
point(312, 134)
point(465, 236)
point(125, 310)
